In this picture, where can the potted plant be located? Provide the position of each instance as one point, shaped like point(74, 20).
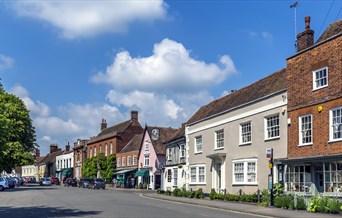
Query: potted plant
point(180, 166)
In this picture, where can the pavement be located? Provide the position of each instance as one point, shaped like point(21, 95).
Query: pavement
point(232, 206)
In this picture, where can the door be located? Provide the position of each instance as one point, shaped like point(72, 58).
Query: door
point(218, 176)
point(157, 181)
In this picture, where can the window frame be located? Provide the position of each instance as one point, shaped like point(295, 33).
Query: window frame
point(111, 148)
point(106, 149)
point(196, 145)
point(119, 162)
point(135, 160)
point(242, 134)
point(315, 80)
point(175, 177)
point(147, 157)
point(221, 140)
point(331, 124)
point(123, 163)
point(169, 154)
point(169, 175)
point(271, 127)
point(197, 174)
point(182, 150)
point(95, 151)
point(300, 130)
point(129, 161)
point(245, 172)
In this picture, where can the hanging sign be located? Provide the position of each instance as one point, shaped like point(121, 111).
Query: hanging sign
point(269, 152)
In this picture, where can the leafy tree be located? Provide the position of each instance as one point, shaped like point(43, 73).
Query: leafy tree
point(101, 164)
point(89, 167)
point(17, 134)
point(108, 166)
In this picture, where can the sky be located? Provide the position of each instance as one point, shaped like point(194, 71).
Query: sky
point(74, 62)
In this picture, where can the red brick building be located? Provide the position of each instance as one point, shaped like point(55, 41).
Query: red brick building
point(80, 154)
point(111, 140)
point(314, 80)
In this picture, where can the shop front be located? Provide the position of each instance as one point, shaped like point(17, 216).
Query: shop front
point(125, 178)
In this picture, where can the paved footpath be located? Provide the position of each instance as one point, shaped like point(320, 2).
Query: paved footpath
point(240, 207)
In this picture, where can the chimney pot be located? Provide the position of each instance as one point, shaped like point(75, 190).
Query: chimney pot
point(134, 117)
point(103, 124)
point(305, 39)
point(307, 22)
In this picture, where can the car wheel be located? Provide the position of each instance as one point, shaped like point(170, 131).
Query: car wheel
point(104, 187)
point(1, 188)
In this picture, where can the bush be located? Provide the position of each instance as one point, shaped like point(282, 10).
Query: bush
point(140, 186)
point(265, 197)
point(144, 186)
point(301, 205)
point(278, 189)
point(283, 201)
point(318, 205)
point(249, 198)
point(177, 192)
point(232, 197)
point(334, 206)
point(212, 194)
point(198, 193)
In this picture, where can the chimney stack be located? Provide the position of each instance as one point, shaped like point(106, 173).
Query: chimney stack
point(134, 117)
point(53, 148)
point(305, 39)
point(103, 124)
point(37, 152)
point(67, 147)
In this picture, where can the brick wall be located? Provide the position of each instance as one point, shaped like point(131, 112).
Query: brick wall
point(126, 155)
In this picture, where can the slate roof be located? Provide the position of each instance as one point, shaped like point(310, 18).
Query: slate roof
point(134, 144)
point(332, 30)
point(271, 84)
point(164, 136)
point(111, 131)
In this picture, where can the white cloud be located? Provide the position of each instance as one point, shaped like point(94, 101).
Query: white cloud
point(259, 35)
point(169, 68)
point(55, 126)
point(87, 18)
point(267, 35)
point(6, 62)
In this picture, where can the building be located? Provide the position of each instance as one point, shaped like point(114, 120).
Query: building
point(65, 163)
point(80, 154)
point(314, 76)
point(175, 163)
point(152, 156)
point(127, 163)
point(47, 166)
point(227, 138)
point(111, 140)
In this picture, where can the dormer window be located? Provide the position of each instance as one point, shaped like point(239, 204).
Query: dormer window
point(320, 78)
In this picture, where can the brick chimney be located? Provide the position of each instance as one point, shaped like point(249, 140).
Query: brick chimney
point(103, 124)
point(67, 147)
point(134, 117)
point(37, 152)
point(53, 148)
point(305, 39)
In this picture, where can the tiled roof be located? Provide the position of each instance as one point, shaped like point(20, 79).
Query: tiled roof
point(178, 134)
point(134, 144)
point(262, 88)
point(111, 131)
point(332, 30)
point(164, 134)
point(51, 158)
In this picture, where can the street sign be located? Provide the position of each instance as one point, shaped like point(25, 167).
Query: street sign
point(269, 152)
point(270, 182)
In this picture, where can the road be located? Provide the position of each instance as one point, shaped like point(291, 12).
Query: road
point(58, 201)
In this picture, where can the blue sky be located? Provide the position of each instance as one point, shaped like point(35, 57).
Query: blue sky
point(75, 62)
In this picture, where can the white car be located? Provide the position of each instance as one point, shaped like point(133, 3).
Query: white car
point(45, 181)
point(3, 184)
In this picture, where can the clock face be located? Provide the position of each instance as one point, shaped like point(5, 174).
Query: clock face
point(155, 134)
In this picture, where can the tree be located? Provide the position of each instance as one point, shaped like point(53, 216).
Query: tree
point(17, 134)
point(108, 165)
point(89, 168)
point(101, 164)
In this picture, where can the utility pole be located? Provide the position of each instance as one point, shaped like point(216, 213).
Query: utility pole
point(294, 5)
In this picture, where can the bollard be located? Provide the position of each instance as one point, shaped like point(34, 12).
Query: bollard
point(258, 193)
point(225, 195)
point(240, 192)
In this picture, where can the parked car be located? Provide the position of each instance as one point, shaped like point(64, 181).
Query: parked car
point(70, 182)
point(84, 183)
point(11, 182)
point(3, 183)
point(98, 183)
point(30, 180)
point(55, 181)
point(45, 181)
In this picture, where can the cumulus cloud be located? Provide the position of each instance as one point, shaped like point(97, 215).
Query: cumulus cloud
point(6, 62)
point(259, 35)
point(169, 68)
point(88, 18)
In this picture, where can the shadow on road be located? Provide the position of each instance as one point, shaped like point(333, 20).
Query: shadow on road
point(43, 212)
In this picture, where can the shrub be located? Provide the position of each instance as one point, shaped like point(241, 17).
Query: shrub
point(198, 193)
point(158, 191)
point(301, 205)
point(283, 201)
point(140, 186)
point(278, 189)
point(177, 192)
point(334, 206)
point(265, 197)
point(219, 196)
point(144, 186)
point(212, 194)
point(249, 198)
point(232, 197)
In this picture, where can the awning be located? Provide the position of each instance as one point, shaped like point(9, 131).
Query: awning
point(142, 172)
point(314, 159)
point(67, 172)
point(124, 171)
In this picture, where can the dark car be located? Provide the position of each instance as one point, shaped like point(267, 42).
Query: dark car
point(11, 182)
point(84, 183)
point(98, 183)
point(70, 182)
point(55, 181)
point(32, 180)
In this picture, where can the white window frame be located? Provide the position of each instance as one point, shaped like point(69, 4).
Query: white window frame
point(106, 149)
point(111, 148)
point(333, 126)
point(147, 160)
point(123, 162)
point(147, 147)
point(129, 161)
point(316, 80)
point(175, 176)
point(100, 149)
point(182, 150)
point(218, 140)
point(135, 160)
point(169, 154)
point(245, 162)
point(119, 162)
point(196, 145)
point(95, 151)
point(273, 128)
point(301, 131)
point(90, 153)
point(242, 134)
point(196, 176)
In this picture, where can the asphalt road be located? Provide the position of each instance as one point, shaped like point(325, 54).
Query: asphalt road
point(58, 201)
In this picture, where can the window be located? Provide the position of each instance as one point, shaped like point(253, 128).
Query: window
point(147, 160)
point(296, 176)
point(106, 149)
point(175, 176)
point(246, 133)
point(305, 130)
point(119, 162)
point(272, 127)
point(336, 124)
point(198, 144)
point(100, 149)
point(219, 135)
point(123, 161)
point(91, 152)
point(320, 78)
point(169, 154)
point(129, 161)
point(111, 148)
point(182, 151)
point(147, 147)
point(197, 174)
point(94, 151)
point(169, 175)
point(245, 171)
point(134, 160)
